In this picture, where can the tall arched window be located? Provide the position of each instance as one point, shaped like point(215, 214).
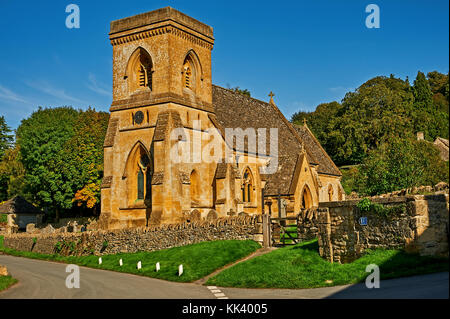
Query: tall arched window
point(144, 178)
point(139, 71)
point(138, 175)
point(306, 197)
point(247, 186)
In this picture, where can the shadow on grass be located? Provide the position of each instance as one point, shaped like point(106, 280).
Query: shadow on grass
point(313, 246)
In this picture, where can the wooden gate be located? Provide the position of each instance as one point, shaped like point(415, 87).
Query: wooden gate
point(284, 231)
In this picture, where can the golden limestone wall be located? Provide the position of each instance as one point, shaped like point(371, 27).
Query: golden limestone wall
point(417, 223)
point(331, 189)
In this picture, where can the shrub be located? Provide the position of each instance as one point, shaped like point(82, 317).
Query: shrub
point(399, 164)
point(366, 205)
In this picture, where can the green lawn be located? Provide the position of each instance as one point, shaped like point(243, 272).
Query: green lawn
point(300, 266)
point(6, 281)
point(292, 234)
point(198, 259)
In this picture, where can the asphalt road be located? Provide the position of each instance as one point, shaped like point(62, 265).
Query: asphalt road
point(46, 280)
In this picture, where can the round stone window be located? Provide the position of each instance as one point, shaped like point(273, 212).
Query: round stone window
point(138, 117)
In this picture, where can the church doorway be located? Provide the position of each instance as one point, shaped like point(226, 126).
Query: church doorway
point(306, 198)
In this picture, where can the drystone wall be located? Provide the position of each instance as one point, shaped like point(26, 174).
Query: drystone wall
point(416, 223)
point(138, 239)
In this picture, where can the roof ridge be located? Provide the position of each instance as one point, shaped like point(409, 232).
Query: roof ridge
point(245, 96)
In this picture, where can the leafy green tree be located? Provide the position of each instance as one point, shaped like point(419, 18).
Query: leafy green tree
point(381, 108)
point(376, 111)
point(86, 159)
point(42, 140)
point(401, 163)
point(438, 82)
point(6, 138)
point(12, 174)
point(430, 110)
point(422, 92)
point(321, 122)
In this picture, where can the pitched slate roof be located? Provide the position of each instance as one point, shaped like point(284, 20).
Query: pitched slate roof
point(234, 110)
point(18, 205)
point(312, 145)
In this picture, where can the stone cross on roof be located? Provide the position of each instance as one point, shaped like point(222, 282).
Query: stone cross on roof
point(302, 149)
point(271, 98)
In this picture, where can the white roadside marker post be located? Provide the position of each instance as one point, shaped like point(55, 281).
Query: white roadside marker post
point(120, 262)
point(180, 270)
point(158, 266)
point(139, 265)
point(99, 260)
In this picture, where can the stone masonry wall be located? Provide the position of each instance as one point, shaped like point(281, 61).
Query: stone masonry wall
point(307, 224)
point(138, 239)
point(419, 226)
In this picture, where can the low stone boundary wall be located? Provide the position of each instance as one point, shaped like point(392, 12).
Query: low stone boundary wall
point(138, 239)
point(419, 224)
point(307, 224)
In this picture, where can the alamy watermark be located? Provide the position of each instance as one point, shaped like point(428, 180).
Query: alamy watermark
point(373, 19)
point(73, 279)
point(73, 19)
point(373, 280)
point(210, 146)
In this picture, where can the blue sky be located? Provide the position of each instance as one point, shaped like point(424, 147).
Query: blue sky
point(306, 52)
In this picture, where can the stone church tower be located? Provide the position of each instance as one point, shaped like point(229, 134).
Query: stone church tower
point(163, 98)
point(161, 81)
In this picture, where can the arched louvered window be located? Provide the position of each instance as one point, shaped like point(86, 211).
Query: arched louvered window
point(189, 73)
point(139, 71)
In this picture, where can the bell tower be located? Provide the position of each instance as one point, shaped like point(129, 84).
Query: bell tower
point(161, 81)
point(161, 56)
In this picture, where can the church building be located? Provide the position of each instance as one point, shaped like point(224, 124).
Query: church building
point(164, 102)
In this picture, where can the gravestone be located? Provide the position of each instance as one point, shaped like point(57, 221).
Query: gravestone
point(212, 215)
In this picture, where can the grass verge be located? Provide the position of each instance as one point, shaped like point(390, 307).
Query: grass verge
point(6, 281)
point(199, 260)
point(300, 266)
